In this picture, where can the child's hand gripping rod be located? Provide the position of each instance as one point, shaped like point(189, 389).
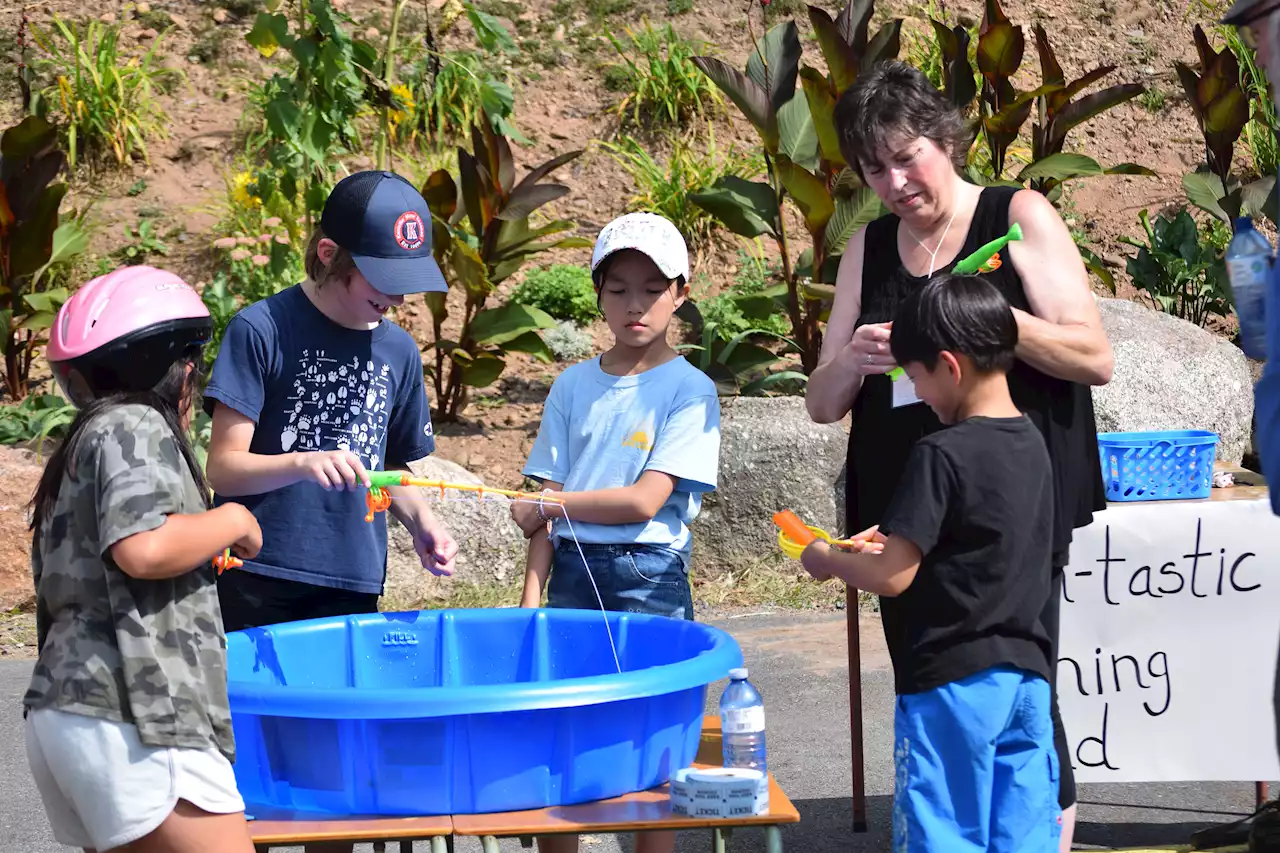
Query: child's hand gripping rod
point(378, 499)
point(986, 256)
point(794, 536)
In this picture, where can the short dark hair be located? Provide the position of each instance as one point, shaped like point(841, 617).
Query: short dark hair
point(891, 98)
point(962, 314)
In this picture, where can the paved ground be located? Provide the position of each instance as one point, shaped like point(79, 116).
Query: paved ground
point(798, 661)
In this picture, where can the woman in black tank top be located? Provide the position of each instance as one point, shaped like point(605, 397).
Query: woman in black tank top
point(908, 144)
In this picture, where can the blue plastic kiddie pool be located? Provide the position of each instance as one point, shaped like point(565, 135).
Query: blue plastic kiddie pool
point(467, 711)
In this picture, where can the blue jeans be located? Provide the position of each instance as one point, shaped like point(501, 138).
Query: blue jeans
point(634, 578)
point(975, 767)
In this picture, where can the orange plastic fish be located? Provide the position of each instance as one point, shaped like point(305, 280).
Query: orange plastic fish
point(225, 561)
point(378, 500)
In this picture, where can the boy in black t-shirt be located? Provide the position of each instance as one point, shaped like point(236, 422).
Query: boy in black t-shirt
point(965, 545)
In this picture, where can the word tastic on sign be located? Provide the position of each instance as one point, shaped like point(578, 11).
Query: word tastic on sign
point(1167, 652)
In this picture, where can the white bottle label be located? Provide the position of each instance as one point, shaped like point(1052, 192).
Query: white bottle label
point(743, 721)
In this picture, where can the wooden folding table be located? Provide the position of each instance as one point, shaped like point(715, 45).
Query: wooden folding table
point(270, 830)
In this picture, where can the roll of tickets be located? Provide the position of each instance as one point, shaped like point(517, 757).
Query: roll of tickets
point(719, 792)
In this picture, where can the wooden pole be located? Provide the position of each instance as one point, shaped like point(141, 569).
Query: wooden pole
point(855, 711)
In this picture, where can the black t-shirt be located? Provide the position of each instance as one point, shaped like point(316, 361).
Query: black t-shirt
point(977, 500)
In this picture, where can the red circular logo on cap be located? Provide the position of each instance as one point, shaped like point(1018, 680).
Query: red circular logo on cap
point(410, 232)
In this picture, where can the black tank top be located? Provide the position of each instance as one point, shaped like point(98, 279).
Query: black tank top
point(881, 437)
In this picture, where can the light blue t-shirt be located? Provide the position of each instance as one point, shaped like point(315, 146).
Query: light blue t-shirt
point(602, 432)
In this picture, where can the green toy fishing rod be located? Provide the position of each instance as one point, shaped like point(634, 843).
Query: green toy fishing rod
point(984, 255)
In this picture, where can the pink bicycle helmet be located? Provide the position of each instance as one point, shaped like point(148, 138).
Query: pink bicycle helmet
point(121, 332)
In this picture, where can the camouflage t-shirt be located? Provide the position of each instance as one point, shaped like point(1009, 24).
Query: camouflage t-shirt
point(147, 652)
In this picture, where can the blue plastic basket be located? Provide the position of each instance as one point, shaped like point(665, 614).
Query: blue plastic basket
point(1154, 466)
point(466, 711)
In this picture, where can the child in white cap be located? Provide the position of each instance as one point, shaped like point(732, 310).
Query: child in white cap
point(629, 442)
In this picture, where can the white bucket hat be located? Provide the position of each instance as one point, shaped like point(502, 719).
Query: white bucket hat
point(648, 233)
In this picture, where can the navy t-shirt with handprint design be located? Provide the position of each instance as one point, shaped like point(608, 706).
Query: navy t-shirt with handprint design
point(310, 384)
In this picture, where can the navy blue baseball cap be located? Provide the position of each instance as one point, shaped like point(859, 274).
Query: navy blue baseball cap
point(384, 222)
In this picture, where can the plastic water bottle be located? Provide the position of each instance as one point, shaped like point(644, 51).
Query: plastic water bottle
point(742, 723)
point(1249, 268)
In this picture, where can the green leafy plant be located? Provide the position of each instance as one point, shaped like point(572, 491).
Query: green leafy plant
point(447, 92)
point(923, 45)
point(1179, 271)
point(1260, 132)
point(1059, 105)
point(662, 85)
point(1059, 111)
point(33, 239)
point(309, 116)
point(1222, 110)
point(482, 235)
point(669, 188)
point(143, 243)
point(106, 99)
point(746, 305)
point(802, 156)
point(738, 366)
point(36, 418)
point(565, 291)
point(1153, 100)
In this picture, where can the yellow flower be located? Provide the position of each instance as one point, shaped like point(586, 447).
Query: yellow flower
point(240, 194)
point(402, 104)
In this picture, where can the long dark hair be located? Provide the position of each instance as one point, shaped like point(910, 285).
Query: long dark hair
point(180, 387)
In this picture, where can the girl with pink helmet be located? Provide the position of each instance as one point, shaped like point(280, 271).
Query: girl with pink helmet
point(128, 726)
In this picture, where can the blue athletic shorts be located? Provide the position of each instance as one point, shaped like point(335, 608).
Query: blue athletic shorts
point(635, 578)
point(975, 768)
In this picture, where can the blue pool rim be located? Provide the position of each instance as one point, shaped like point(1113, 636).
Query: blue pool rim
point(365, 703)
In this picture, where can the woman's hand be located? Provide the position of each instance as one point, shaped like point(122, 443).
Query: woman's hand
point(869, 349)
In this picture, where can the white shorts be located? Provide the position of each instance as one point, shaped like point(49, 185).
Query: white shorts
point(103, 788)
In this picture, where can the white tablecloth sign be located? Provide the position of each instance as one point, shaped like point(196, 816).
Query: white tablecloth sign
point(1167, 656)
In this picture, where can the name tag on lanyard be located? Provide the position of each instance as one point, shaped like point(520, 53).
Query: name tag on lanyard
point(904, 392)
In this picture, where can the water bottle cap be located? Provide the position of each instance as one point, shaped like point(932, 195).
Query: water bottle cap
point(1244, 223)
point(738, 673)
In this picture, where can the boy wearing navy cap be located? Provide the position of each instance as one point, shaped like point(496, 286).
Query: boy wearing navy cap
point(312, 388)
